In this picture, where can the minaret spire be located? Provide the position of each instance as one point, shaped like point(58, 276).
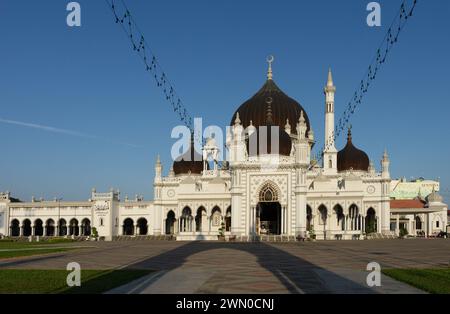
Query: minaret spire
point(330, 78)
point(270, 60)
point(329, 152)
point(329, 91)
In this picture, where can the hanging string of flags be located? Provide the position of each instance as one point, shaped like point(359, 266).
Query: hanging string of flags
point(391, 38)
point(140, 46)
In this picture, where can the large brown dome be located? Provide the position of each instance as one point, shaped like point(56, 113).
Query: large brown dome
point(266, 137)
point(189, 162)
point(283, 108)
point(351, 158)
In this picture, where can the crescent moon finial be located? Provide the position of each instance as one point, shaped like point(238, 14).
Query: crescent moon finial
point(270, 60)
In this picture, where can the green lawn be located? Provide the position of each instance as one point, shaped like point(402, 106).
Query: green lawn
point(18, 249)
point(431, 280)
point(54, 281)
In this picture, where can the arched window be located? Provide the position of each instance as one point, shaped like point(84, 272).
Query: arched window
point(323, 214)
point(371, 225)
point(228, 219)
point(50, 228)
point(142, 226)
point(73, 227)
point(216, 215)
point(339, 211)
point(26, 226)
point(418, 223)
point(309, 226)
point(62, 227)
point(128, 227)
point(85, 227)
point(15, 228)
point(38, 228)
point(170, 222)
point(268, 193)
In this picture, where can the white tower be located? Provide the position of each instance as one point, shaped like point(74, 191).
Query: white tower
point(329, 152)
point(158, 170)
point(385, 194)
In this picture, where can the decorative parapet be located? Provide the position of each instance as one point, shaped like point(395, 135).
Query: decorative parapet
point(112, 195)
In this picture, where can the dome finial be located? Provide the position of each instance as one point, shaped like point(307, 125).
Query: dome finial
point(269, 101)
point(302, 118)
point(349, 134)
point(269, 60)
point(237, 121)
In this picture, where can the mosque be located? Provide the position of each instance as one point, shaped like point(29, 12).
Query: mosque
point(263, 192)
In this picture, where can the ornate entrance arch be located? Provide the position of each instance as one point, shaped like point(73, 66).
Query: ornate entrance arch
point(269, 192)
point(270, 215)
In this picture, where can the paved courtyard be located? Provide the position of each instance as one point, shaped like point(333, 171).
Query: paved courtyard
point(214, 267)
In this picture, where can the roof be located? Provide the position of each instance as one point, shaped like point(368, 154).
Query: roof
point(352, 158)
point(415, 203)
point(283, 108)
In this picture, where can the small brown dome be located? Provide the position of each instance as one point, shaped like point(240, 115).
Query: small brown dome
point(264, 134)
point(283, 108)
point(189, 162)
point(351, 158)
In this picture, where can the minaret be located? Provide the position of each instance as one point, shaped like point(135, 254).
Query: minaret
point(158, 170)
point(385, 166)
point(385, 194)
point(329, 152)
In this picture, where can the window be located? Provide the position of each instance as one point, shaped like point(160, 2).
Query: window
point(101, 221)
point(217, 219)
point(330, 164)
point(437, 224)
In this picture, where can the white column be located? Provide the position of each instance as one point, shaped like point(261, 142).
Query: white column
point(252, 220)
point(397, 225)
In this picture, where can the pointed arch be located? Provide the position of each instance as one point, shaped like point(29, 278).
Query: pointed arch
point(170, 222)
point(323, 213)
point(309, 217)
point(228, 219)
point(86, 227)
point(128, 227)
point(370, 221)
point(269, 192)
point(15, 228)
point(142, 225)
point(26, 227)
point(62, 227)
point(340, 218)
point(38, 227)
point(200, 219)
point(50, 228)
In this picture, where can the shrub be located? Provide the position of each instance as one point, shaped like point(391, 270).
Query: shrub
point(403, 232)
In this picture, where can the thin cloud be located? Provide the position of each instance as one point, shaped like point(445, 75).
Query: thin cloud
point(66, 132)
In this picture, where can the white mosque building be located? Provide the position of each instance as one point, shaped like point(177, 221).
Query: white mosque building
point(262, 193)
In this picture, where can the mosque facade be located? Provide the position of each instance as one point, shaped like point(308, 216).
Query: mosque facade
point(263, 191)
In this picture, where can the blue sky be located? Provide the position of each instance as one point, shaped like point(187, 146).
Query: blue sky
point(89, 81)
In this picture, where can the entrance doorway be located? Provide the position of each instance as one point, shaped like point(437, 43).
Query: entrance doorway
point(268, 218)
